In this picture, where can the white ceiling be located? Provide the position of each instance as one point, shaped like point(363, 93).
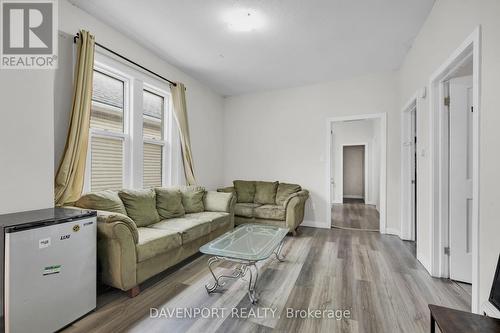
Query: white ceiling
point(302, 41)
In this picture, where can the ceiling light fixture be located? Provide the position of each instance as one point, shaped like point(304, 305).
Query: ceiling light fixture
point(243, 20)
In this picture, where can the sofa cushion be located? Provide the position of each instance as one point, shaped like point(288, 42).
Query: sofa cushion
point(217, 201)
point(217, 219)
point(153, 242)
point(192, 198)
point(140, 206)
point(245, 190)
point(284, 191)
point(270, 212)
point(245, 209)
point(169, 203)
point(265, 192)
point(102, 200)
point(189, 227)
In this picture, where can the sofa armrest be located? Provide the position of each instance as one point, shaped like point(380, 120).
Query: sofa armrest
point(229, 189)
point(301, 193)
point(295, 207)
point(111, 217)
point(218, 201)
point(116, 250)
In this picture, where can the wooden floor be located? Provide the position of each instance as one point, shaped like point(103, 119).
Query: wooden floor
point(374, 276)
point(356, 216)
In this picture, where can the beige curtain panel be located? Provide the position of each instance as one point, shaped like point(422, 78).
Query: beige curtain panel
point(180, 111)
point(71, 172)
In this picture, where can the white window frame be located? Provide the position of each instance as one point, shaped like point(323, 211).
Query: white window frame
point(124, 137)
point(166, 179)
point(135, 82)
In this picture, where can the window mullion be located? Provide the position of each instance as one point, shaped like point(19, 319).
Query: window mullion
point(136, 135)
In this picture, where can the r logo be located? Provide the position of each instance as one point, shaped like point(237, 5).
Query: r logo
point(29, 33)
point(27, 28)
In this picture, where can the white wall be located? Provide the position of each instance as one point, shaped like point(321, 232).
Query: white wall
point(356, 132)
point(447, 26)
point(205, 107)
point(26, 140)
point(63, 90)
point(281, 135)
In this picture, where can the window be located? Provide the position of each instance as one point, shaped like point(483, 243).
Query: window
point(116, 159)
point(107, 133)
point(153, 134)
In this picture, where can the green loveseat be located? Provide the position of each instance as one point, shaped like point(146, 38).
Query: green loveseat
point(274, 203)
point(143, 232)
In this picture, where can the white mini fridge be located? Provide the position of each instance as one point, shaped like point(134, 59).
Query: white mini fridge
point(49, 270)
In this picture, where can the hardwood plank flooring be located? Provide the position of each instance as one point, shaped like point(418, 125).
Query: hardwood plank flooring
point(354, 215)
point(375, 277)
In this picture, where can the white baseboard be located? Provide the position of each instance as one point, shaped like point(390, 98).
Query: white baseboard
point(425, 262)
point(392, 231)
point(490, 310)
point(314, 224)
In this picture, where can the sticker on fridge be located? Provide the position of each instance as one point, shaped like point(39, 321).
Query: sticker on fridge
point(43, 243)
point(54, 269)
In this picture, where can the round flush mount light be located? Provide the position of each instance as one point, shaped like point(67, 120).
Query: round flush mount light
point(243, 20)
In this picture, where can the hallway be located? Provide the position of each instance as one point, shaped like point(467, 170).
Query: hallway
point(355, 215)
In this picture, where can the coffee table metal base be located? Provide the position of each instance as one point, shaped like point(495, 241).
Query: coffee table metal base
point(243, 267)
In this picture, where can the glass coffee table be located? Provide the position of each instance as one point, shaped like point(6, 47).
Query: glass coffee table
point(246, 245)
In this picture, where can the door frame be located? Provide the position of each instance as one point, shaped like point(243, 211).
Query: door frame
point(367, 160)
point(383, 163)
point(439, 227)
point(407, 220)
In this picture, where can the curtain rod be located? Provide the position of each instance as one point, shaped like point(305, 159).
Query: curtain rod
point(128, 60)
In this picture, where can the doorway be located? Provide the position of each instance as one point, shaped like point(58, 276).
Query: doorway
point(455, 108)
point(353, 174)
point(356, 172)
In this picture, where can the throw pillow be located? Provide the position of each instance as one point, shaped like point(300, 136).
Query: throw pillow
point(265, 192)
point(192, 199)
point(140, 206)
point(217, 201)
point(245, 190)
point(169, 203)
point(284, 191)
point(102, 200)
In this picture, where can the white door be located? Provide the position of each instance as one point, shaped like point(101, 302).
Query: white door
point(460, 115)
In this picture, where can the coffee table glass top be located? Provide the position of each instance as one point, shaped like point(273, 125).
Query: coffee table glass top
point(251, 242)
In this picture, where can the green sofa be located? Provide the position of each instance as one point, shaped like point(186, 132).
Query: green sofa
point(274, 203)
point(143, 232)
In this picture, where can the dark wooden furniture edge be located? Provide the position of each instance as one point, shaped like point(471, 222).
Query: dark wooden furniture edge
point(456, 321)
